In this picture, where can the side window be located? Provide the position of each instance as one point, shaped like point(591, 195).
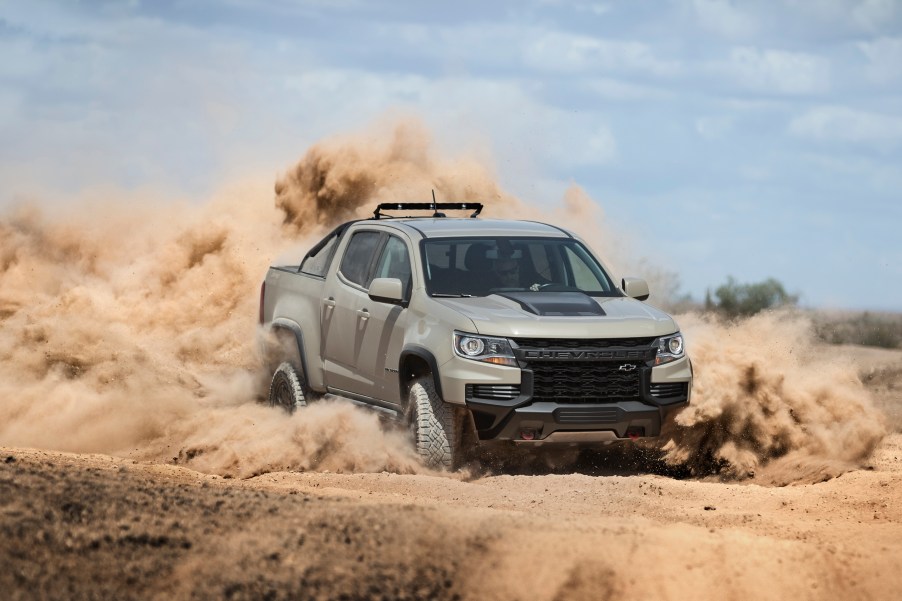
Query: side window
point(394, 262)
point(317, 263)
point(355, 264)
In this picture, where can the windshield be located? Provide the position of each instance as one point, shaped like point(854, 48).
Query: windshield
point(482, 266)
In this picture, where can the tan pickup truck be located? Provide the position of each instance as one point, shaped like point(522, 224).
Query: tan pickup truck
point(472, 331)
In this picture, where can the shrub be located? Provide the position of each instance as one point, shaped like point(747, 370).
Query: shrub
point(868, 329)
point(741, 300)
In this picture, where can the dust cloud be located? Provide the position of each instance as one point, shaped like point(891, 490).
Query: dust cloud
point(130, 329)
point(345, 177)
point(768, 402)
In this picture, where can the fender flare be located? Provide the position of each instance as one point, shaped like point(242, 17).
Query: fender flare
point(281, 323)
point(426, 355)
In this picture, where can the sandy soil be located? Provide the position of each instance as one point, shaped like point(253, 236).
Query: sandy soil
point(127, 328)
point(94, 526)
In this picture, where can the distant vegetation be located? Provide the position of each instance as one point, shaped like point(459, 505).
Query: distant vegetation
point(734, 299)
point(883, 330)
point(742, 300)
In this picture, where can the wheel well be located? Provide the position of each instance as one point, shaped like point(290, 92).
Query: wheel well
point(413, 367)
point(283, 347)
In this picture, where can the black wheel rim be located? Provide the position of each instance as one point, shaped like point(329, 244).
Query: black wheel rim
point(283, 394)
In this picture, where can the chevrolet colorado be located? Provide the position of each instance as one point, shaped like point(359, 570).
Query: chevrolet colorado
point(472, 331)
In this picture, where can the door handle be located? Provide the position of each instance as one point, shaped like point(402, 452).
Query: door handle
point(329, 302)
point(363, 314)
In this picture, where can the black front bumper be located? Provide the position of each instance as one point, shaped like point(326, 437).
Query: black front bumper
point(529, 418)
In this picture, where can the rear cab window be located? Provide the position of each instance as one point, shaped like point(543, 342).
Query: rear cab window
point(317, 261)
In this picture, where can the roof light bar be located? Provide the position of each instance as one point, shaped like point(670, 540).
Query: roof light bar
point(476, 207)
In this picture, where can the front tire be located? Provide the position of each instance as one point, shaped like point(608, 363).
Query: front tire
point(287, 388)
point(437, 426)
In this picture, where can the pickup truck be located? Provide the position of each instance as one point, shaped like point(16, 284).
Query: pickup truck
point(472, 331)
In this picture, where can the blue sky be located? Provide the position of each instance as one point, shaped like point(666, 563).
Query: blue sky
point(752, 139)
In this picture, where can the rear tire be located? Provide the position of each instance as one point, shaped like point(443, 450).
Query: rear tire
point(437, 426)
point(287, 388)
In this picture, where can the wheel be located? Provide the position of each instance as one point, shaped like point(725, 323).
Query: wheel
point(437, 427)
point(287, 388)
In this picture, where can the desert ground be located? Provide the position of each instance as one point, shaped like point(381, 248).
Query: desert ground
point(88, 526)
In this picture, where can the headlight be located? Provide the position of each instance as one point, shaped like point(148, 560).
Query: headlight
point(483, 348)
point(670, 348)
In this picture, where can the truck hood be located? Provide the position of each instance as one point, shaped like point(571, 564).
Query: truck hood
point(561, 315)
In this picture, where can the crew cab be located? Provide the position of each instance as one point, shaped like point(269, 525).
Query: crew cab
point(472, 331)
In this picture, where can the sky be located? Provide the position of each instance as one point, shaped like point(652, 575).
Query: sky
point(749, 139)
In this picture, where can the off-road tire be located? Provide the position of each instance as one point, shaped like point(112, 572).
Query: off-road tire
point(437, 426)
point(287, 388)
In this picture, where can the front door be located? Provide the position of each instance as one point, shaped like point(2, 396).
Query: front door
point(343, 318)
point(383, 332)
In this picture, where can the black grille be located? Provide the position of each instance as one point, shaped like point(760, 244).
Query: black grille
point(571, 382)
point(667, 391)
point(496, 392)
point(581, 343)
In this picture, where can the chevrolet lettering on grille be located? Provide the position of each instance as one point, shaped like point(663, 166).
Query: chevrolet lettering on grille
point(584, 355)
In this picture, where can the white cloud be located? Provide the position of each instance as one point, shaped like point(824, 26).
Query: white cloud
point(285, 8)
point(755, 173)
point(848, 125)
point(615, 89)
point(556, 51)
point(10, 106)
point(20, 58)
point(596, 8)
point(884, 59)
point(873, 14)
point(842, 17)
point(714, 127)
point(722, 17)
point(460, 108)
point(777, 71)
point(600, 148)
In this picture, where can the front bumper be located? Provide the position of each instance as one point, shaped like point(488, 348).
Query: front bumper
point(528, 415)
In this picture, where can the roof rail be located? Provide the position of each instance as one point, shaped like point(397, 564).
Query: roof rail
point(476, 207)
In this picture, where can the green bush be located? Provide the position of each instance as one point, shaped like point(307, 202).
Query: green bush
point(741, 300)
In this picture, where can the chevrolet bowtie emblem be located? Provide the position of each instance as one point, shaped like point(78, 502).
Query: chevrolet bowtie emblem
point(627, 367)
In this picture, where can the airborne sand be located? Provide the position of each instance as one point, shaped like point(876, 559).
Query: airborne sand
point(134, 336)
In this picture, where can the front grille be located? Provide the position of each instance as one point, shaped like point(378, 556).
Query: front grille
point(575, 382)
point(581, 343)
point(668, 391)
point(494, 392)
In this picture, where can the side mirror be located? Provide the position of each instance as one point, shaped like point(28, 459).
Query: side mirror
point(387, 290)
point(636, 288)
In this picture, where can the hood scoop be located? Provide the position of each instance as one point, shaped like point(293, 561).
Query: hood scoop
point(556, 304)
